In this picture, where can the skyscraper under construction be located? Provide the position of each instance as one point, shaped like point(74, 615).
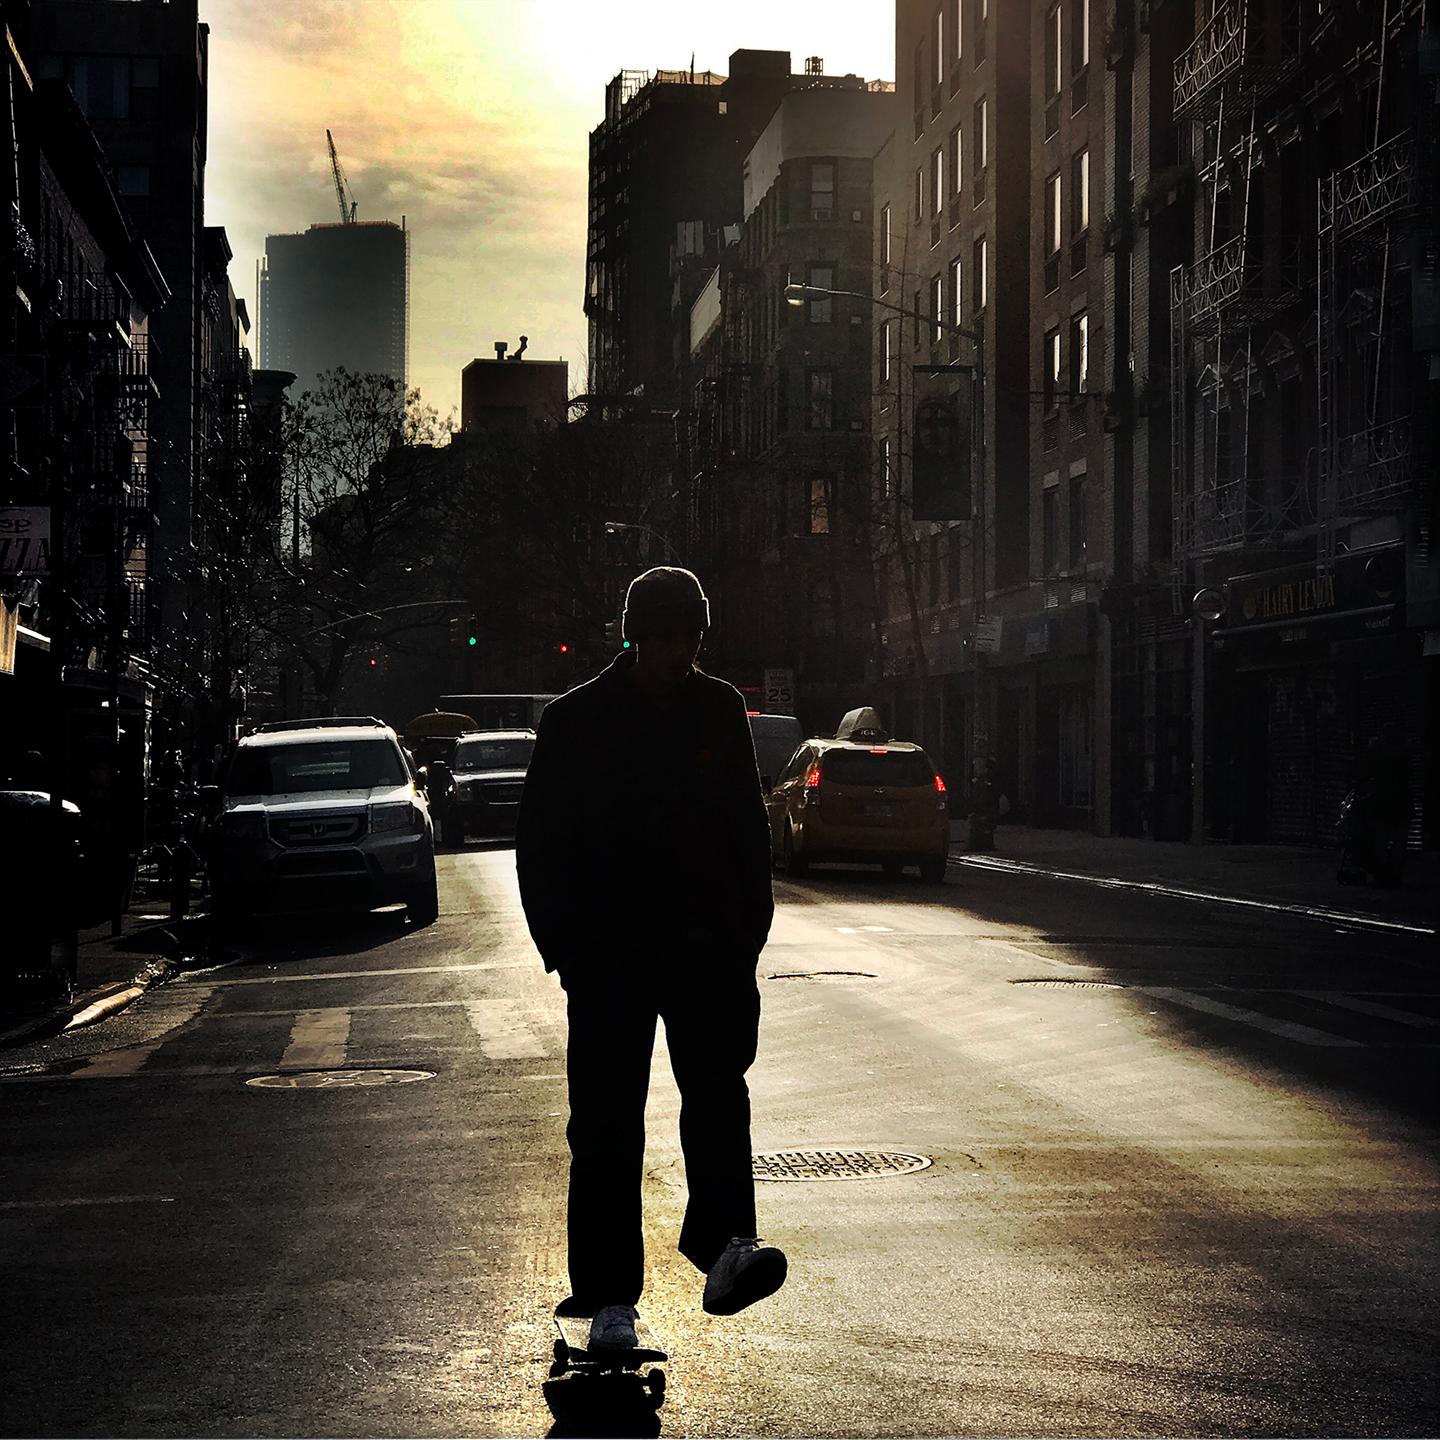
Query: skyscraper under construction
point(337, 294)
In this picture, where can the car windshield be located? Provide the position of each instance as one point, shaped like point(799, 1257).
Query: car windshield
point(877, 767)
point(332, 765)
point(494, 754)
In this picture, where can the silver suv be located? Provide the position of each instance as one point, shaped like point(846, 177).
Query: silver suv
point(322, 812)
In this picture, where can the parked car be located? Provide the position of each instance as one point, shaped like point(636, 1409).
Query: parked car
point(489, 770)
point(322, 813)
point(860, 797)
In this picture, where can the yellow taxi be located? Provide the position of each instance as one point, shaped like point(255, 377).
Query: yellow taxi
point(860, 797)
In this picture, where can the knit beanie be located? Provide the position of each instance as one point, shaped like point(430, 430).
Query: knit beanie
point(665, 598)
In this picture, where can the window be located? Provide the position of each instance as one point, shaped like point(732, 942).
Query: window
point(919, 320)
point(822, 189)
point(939, 39)
point(1080, 192)
point(933, 567)
point(1079, 353)
point(1050, 530)
point(1075, 758)
point(294, 769)
point(1050, 367)
point(885, 235)
point(937, 307)
point(982, 134)
point(957, 150)
point(937, 182)
point(885, 483)
point(820, 397)
point(957, 44)
point(1079, 533)
point(977, 275)
point(919, 193)
point(886, 344)
point(1052, 53)
point(819, 505)
point(1052, 213)
point(1080, 36)
point(957, 292)
point(822, 277)
point(101, 85)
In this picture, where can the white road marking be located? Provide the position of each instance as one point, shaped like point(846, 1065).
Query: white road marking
point(865, 929)
point(1305, 1034)
point(503, 1034)
point(369, 974)
point(96, 1200)
point(1372, 1007)
point(317, 1040)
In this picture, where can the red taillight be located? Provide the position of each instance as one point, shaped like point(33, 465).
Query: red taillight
point(880, 750)
point(939, 786)
point(812, 776)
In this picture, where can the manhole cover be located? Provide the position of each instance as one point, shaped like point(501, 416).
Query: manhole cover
point(1069, 984)
point(835, 1164)
point(338, 1079)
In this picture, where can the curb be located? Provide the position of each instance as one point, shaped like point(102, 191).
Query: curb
point(1349, 918)
point(187, 935)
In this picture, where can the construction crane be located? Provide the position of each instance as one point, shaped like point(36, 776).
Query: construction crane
point(342, 185)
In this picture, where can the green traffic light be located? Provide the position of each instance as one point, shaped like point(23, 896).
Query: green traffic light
point(474, 640)
point(624, 644)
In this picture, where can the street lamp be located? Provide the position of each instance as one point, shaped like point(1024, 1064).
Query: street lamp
point(797, 294)
point(614, 527)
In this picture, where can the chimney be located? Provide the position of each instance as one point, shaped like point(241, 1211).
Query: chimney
point(814, 65)
point(501, 346)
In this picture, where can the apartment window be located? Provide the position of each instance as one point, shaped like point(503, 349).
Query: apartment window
point(957, 44)
point(957, 150)
point(957, 292)
point(1050, 376)
point(821, 277)
point(820, 399)
point(1050, 529)
point(884, 234)
point(919, 193)
point(885, 482)
point(933, 568)
point(919, 319)
point(937, 182)
point(937, 307)
point(939, 47)
point(1079, 527)
point(980, 147)
point(1079, 353)
point(819, 505)
point(1052, 214)
point(977, 276)
point(886, 349)
point(1080, 35)
point(920, 87)
point(1052, 53)
point(822, 189)
point(1080, 192)
point(980, 13)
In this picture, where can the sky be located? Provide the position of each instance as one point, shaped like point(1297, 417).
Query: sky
point(471, 119)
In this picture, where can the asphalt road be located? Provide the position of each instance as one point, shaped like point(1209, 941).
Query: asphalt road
point(1182, 1181)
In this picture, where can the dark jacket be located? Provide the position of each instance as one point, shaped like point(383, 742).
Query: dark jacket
point(643, 825)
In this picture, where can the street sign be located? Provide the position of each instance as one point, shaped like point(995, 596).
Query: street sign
point(988, 630)
point(779, 692)
point(24, 539)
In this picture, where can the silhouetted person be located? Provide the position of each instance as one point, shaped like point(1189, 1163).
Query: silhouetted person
point(643, 853)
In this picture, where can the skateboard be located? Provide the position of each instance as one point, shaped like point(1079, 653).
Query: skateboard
point(572, 1352)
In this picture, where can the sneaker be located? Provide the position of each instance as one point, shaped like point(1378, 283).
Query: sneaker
point(613, 1328)
point(748, 1271)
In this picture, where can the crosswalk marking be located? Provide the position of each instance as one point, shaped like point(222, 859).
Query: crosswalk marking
point(503, 1033)
point(317, 1040)
point(1305, 1034)
point(1372, 1007)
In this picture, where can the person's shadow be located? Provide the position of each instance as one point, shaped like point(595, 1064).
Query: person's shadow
point(602, 1405)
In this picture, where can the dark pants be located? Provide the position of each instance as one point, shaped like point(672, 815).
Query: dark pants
point(710, 1004)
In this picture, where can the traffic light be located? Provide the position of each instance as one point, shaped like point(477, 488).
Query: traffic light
point(472, 631)
point(563, 648)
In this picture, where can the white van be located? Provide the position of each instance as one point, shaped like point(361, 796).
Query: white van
point(777, 738)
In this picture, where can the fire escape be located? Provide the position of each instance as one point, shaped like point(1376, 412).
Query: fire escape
point(1226, 84)
point(1367, 215)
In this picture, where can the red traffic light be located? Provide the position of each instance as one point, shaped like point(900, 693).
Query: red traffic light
point(373, 662)
point(563, 648)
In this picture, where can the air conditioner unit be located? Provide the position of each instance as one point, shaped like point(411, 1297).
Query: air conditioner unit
point(821, 213)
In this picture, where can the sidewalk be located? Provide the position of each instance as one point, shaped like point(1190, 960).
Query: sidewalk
point(1276, 874)
point(112, 971)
